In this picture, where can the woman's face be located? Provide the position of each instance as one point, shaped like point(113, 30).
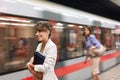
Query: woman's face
point(86, 31)
point(42, 35)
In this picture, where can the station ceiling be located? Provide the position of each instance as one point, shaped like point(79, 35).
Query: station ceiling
point(106, 8)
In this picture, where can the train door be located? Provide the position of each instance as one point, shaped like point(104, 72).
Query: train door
point(117, 37)
point(71, 40)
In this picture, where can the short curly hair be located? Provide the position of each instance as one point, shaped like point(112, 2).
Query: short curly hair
point(44, 25)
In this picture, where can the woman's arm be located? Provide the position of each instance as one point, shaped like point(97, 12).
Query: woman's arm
point(94, 41)
point(49, 62)
point(30, 67)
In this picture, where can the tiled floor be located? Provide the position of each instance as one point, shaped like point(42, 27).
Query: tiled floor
point(112, 74)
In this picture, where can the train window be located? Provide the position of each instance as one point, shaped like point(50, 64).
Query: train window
point(105, 36)
point(16, 42)
point(70, 40)
point(108, 38)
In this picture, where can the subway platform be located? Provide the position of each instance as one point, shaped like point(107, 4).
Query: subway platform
point(111, 74)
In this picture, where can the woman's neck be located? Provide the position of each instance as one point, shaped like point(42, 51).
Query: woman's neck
point(45, 41)
point(43, 45)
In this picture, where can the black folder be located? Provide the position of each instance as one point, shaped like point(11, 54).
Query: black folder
point(38, 58)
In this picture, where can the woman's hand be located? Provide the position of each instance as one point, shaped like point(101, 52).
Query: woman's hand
point(90, 51)
point(92, 48)
point(36, 74)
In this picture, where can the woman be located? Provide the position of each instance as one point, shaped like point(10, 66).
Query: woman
point(44, 71)
point(89, 40)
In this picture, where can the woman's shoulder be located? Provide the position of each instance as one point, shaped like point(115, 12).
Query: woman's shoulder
point(50, 43)
point(39, 47)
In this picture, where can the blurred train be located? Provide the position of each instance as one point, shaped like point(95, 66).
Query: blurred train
point(17, 39)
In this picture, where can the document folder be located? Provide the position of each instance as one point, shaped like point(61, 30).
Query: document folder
point(38, 58)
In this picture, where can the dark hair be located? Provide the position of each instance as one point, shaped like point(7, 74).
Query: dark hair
point(88, 29)
point(43, 25)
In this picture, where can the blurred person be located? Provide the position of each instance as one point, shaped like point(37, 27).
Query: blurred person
point(44, 71)
point(89, 39)
point(22, 48)
point(22, 42)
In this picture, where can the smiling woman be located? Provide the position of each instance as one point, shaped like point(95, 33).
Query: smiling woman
point(47, 48)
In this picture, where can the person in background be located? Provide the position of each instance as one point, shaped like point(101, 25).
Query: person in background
point(89, 39)
point(44, 71)
point(22, 48)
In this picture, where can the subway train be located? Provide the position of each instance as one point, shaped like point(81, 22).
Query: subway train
point(18, 42)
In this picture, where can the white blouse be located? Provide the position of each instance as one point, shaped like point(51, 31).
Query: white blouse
point(50, 52)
